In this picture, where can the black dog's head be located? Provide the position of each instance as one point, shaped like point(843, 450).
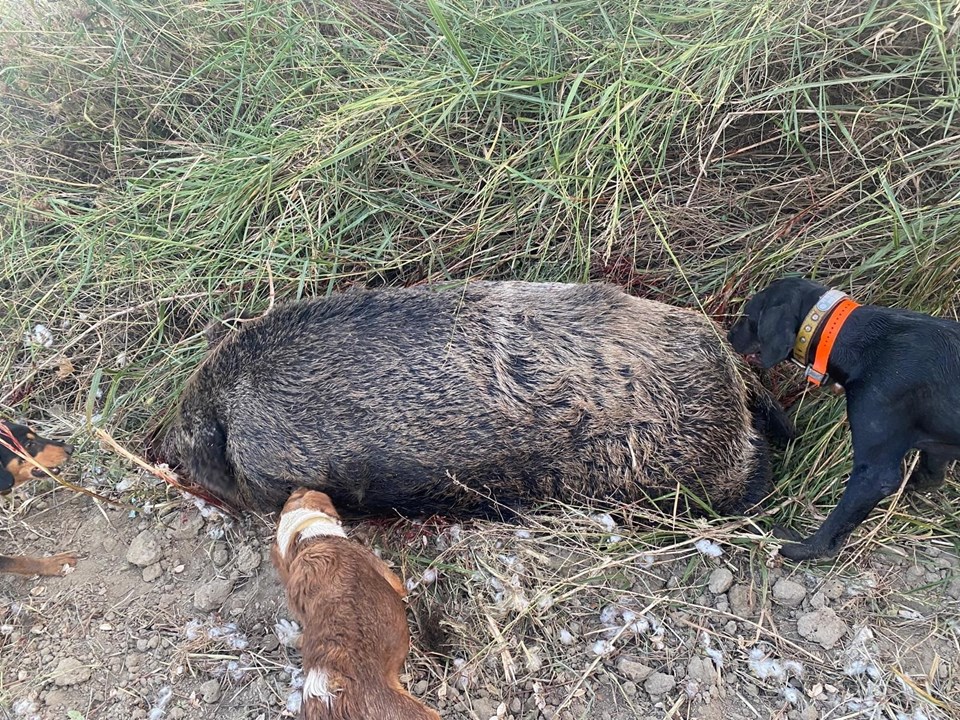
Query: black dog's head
point(772, 317)
point(51, 454)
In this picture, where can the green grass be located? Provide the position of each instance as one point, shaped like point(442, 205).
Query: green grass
point(164, 162)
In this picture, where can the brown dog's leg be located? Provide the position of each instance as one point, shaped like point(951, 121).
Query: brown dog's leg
point(49, 566)
point(391, 577)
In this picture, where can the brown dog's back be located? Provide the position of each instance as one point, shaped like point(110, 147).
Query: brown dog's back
point(355, 628)
point(355, 634)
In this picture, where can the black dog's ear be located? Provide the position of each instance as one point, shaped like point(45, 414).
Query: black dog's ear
point(741, 337)
point(777, 334)
point(6, 480)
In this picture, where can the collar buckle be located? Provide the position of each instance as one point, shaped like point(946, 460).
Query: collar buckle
point(814, 377)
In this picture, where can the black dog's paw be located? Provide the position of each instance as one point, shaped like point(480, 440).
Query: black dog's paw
point(782, 532)
point(799, 551)
point(798, 548)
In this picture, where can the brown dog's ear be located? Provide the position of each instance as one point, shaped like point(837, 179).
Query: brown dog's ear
point(777, 333)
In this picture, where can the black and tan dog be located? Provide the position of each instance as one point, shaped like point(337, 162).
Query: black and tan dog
point(17, 442)
point(900, 371)
point(475, 401)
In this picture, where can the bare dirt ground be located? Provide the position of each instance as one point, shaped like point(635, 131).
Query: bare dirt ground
point(171, 614)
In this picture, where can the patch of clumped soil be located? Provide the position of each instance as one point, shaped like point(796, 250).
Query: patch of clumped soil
point(176, 613)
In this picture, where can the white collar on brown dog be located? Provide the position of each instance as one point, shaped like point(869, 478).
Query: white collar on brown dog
point(303, 524)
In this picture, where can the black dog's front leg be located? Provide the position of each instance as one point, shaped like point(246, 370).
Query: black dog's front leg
point(867, 486)
point(930, 472)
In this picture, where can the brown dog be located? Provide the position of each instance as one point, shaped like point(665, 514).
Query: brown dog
point(350, 606)
point(17, 443)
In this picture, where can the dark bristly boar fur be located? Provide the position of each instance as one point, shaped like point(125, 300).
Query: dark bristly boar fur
point(475, 401)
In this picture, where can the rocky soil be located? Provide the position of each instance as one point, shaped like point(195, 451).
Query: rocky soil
point(175, 612)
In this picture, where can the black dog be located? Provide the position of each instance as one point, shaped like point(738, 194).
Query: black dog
point(901, 374)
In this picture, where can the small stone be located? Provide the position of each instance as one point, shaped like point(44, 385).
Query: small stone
point(210, 690)
point(822, 626)
point(483, 708)
point(516, 707)
point(788, 593)
point(629, 689)
point(914, 574)
point(248, 559)
point(953, 589)
point(720, 581)
point(702, 670)
point(56, 698)
point(152, 572)
point(741, 600)
point(659, 683)
point(270, 642)
point(144, 550)
point(70, 671)
point(186, 525)
point(818, 600)
point(832, 588)
point(633, 670)
point(946, 562)
point(220, 556)
point(810, 713)
point(213, 594)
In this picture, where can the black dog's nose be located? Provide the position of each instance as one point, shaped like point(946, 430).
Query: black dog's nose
point(68, 449)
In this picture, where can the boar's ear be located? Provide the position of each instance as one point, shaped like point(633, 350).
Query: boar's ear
point(777, 333)
point(208, 464)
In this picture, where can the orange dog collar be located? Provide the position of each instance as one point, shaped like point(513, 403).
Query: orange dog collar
point(831, 311)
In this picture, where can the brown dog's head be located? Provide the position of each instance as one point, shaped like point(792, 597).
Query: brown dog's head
point(306, 511)
point(304, 498)
point(19, 440)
